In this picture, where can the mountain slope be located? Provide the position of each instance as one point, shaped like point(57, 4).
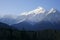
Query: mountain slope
point(47, 25)
point(3, 25)
point(53, 16)
point(23, 26)
point(6, 26)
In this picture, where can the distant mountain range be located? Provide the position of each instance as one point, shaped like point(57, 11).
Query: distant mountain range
point(38, 19)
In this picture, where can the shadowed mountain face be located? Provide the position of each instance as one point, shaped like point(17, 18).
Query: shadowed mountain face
point(6, 26)
point(3, 25)
point(23, 26)
point(47, 25)
point(38, 26)
point(29, 27)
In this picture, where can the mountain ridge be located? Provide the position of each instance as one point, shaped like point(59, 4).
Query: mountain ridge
point(32, 17)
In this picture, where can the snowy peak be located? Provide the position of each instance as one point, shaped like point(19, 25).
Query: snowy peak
point(52, 10)
point(35, 11)
point(53, 16)
point(39, 10)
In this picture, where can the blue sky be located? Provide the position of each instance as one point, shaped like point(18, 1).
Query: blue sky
point(19, 6)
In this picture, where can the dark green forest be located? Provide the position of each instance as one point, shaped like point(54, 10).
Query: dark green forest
point(8, 34)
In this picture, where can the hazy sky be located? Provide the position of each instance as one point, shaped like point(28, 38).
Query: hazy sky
point(19, 6)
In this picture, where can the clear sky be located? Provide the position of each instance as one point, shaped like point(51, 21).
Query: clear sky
point(19, 6)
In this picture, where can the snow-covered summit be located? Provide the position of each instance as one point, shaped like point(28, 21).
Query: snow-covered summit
point(35, 15)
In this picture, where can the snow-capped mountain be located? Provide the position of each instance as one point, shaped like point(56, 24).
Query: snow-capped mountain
point(40, 14)
point(37, 19)
point(34, 16)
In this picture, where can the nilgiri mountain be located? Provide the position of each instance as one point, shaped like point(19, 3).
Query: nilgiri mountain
point(38, 19)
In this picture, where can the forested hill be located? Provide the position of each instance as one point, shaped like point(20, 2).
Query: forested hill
point(6, 33)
